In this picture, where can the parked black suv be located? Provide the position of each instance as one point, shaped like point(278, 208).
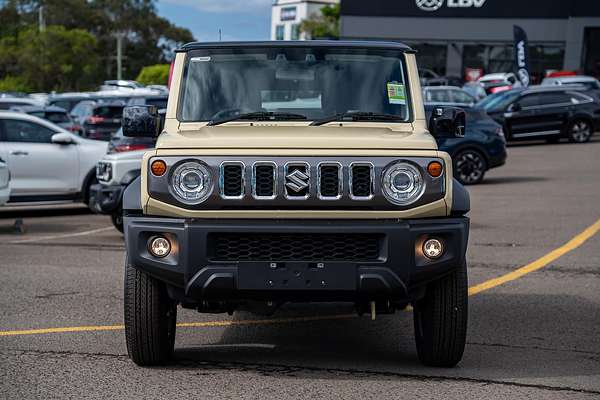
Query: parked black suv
point(544, 112)
point(98, 120)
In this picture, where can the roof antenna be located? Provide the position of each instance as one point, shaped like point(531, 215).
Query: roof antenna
point(219, 34)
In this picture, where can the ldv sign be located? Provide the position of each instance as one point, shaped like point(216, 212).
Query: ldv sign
point(433, 5)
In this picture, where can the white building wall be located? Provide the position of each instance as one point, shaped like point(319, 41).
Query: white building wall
point(303, 9)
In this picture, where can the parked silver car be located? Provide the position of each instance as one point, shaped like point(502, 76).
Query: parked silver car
point(47, 162)
point(4, 182)
point(447, 96)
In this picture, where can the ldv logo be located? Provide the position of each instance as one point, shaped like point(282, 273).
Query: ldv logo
point(433, 5)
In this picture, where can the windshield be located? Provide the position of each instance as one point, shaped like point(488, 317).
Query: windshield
point(498, 101)
point(312, 83)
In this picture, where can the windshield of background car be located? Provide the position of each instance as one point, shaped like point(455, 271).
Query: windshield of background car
point(53, 116)
point(498, 101)
point(314, 82)
point(109, 111)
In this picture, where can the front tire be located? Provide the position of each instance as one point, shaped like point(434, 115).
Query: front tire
point(117, 220)
point(150, 317)
point(440, 320)
point(580, 131)
point(469, 166)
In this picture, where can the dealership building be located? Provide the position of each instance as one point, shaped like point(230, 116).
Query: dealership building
point(287, 15)
point(452, 36)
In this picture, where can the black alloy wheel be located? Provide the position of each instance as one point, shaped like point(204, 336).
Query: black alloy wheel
point(580, 131)
point(469, 166)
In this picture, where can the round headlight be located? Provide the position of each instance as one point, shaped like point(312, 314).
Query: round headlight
point(191, 182)
point(402, 183)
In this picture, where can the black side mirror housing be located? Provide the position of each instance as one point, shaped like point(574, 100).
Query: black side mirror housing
point(141, 121)
point(447, 122)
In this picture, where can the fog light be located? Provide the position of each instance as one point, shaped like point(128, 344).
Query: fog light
point(433, 248)
point(159, 247)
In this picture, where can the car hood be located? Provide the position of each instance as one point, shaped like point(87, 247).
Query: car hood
point(265, 136)
point(126, 155)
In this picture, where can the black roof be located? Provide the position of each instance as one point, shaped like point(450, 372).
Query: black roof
point(300, 43)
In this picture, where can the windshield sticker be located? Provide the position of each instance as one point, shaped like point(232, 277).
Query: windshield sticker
point(396, 94)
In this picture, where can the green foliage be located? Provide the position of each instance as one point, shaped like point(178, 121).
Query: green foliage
point(325, 25)
point(148, 39)
point(14, 84)
point(56, 59)
point(154, 74)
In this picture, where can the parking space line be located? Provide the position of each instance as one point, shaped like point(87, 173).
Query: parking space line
point(66, 235)
point(536, 265)
point(540, 263)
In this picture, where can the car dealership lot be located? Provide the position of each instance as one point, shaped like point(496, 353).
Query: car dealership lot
point(535, 336)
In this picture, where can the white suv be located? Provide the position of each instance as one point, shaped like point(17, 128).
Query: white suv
point(47, 162)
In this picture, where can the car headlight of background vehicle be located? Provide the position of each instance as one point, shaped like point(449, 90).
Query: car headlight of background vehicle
point(402, 183)
point(191, 182)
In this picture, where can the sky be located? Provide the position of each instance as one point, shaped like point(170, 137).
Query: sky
point(237, 19)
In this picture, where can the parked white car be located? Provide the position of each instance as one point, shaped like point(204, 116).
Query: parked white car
point(500, 81)
point(447, 96)
point(47, 162)
point(4, 182)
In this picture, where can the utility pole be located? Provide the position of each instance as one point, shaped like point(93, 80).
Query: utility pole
point(119, 55)
point(41, 20)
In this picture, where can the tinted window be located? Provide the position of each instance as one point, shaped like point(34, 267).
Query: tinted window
point(26, 132)
point(462, 97)
point(160, 103)
point(437, 96)
point(5, 105)
point(82, 109)
point(109, 111)
point(541, 99)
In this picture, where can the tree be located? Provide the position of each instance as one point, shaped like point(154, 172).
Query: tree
point(323, 26)
point(154, 74)
point(148, 38)
point(56, 59)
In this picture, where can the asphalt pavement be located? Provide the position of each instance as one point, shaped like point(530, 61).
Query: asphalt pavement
point(533, 334)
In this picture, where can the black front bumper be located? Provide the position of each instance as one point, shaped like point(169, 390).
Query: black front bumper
point(195, 273)
point(106, 199)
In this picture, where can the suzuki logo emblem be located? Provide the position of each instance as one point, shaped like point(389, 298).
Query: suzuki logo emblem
point(297, 180)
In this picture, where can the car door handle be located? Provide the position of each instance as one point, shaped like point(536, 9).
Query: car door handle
point(19, 153)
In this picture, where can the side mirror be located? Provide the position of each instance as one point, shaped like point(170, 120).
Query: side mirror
point(62, 138)
point(141, 121)
point(447, 122)
point(514, 107)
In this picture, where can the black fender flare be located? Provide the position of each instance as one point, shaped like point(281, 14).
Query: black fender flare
point(461, 200)
point(130, 177)
point(132, 201)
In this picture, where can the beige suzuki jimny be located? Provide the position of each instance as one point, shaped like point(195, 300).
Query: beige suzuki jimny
point(295, 172)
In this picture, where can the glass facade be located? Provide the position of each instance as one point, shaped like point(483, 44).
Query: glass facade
point(500, 58)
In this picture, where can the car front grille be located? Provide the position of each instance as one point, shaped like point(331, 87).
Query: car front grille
point(234, 247)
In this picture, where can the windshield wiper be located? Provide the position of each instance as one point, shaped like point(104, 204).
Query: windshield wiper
point(259, 116)
point(358, 116)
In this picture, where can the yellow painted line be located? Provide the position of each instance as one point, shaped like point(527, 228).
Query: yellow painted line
point(207, 324)
point(540, 263)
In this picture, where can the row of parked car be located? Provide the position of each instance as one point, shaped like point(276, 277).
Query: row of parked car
point(49, 148)
point(52, 159)
point(560, 108)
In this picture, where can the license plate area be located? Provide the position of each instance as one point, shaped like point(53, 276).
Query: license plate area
point(296, 276)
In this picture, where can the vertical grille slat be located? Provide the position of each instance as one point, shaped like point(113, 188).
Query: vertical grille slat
point(361, 181)
point(330, 181)
point(232, 180)
point(264, 180)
